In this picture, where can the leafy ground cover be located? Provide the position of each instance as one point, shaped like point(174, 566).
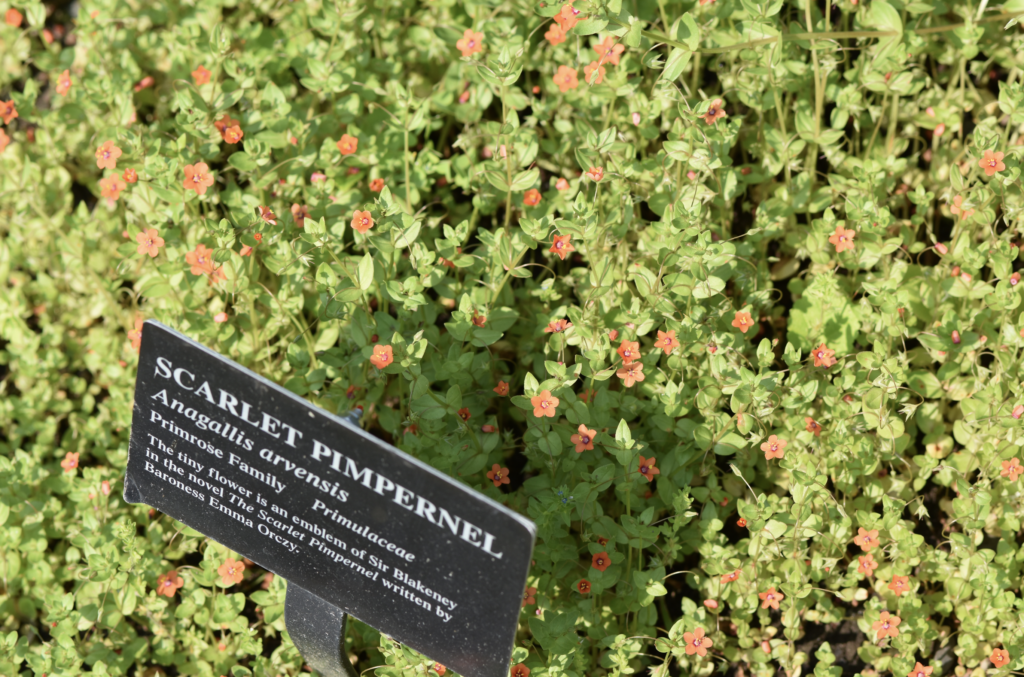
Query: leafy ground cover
point(723, 295)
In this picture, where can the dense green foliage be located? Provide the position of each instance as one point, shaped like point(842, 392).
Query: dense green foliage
point(657, 245)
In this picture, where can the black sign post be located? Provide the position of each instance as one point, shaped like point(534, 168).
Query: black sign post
point(355, 525)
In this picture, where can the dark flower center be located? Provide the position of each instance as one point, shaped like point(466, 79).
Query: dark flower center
point(585, 439)
point(712, 112)
point(644, 469)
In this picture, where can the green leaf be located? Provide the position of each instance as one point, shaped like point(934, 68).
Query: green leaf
point(687, 31)
point(242, 161)
point(677, 60)
point(364, 273)
point(633, 35)
point(326, 276)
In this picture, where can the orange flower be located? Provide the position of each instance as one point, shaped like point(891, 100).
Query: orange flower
point(267, 215)
point(135, 336)
point(666, 341)
point(362, 221)
point(149, 243)
point(562, 246)
point(377, 185)
point(729, 578)
point(609, 51)
point(696, 642)
point(812, 426)
point(519, 670)
point(440, 669)
point(567, 17)
point(64, 82)
point(470, 43)
point(647, 469)
point(565, 78)
point(867, 540)
point(823, 356)
point(631, 374)
point(771, 598)
point(70, 461)
point(555, 35)
point(557, 326)
point(230, 571)
point(743, 321)
point(201, 260)
point(999, 657)
point(13, 17)
point(4, 140)
point(842, 239)
point(600, 561)
point(106, 155)
point(224, 123)
point(1012, 469)
point(130, 176)
point(232, 134)
point(198, 178)
point(498, 475)
point(168, 584)
point(561, 184)
point(201, 76)
point(584, 439)
point(920, 670)
point(531, 198)
point(348, 144)
point(887, 625)
point(464, 414)
point(382, 356)
point(867, 564)
point(112, 186)
point(715, 112)
point(992, 162)
point(8, 111)
point(773, 448)
point(300, 213)
point(478, 320)
point(583, 586)
point(741, 522)
point(956, 208)
point(501, 389)
point(529, 596)
point(899, 584)
point(589, 73)
point(545, 404)
point(595, 174)
point(628, 351)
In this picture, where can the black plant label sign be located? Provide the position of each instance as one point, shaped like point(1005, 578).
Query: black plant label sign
point(315, 499)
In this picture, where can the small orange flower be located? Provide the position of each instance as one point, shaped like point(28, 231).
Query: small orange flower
point(823, 356)
point(478, 320)
point(842, 239)
point(666, 341)
point(501, 389)
point(130, 176)
point(233, 134)
point(135, 335)
point(201, 76)
point(715, 112)
point(600, 561)
point(565, 78)
point(106, 155)
point(498, 475)
point(899, 584)
point(382, 356)
point(729, 578)
point(201, 260)
point(771, 598)
point(561, 184)
point(230, 571)
point(595, 174)
point(111, 187)
point(362, 221)
point(992, 162)
point(529, 597)
point(999, 657)
point(8, 111)
point(647, 469)
point(1012, 469)
point(562, 246)
point(470, 43)
point(567, 17)
point(557, 326)
point(531, 198)
point(13, 18)
point(741, 522)
point(169, 583)
point(812, 426)
point(198, 178)
point(519, 670)
point(631, 374)
point(774, 448)
point(225, 122)
point(149, 243)
point(956, 208)
point(867, 540)
point(464, 414)
point(300, 213)
point(743, 321)
point(555, 35)
point(64, 82)
point(696, 642)
point(218, 276)
point(593, 73)
point(377, 185)
point(609, 51)
point(545, 404)
point(583, 586)
point(70, 461)
point(629, 351)
point(583, 439)
point(887, 625)
point(920, 670)
point(267, 215)
point(348, 144)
